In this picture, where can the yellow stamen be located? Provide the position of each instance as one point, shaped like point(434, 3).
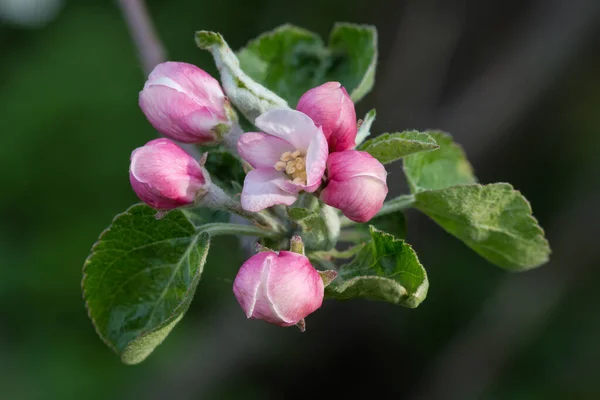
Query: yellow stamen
point(294, 165)
point(286, 156)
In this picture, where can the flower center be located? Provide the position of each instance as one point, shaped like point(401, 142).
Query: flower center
point(294, 165)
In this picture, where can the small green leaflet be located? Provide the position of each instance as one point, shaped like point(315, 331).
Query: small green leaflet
point(364, 131)
point(445, 167)
point(354, 50)
point(319, 230)
point(494, 220)
point(140, 279)
point(290, 60)
point(386, 269)
point(250, 98)
point(390, 147)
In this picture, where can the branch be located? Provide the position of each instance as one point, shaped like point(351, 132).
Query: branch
point(150, 50)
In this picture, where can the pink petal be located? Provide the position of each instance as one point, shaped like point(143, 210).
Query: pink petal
point(294, 287)
point(164, 176)
point(178, 116)
point(249, 279)
point(290, 125)
point(359, 198)
point(192, 81)
point(316, 160)
point(356, 184)
point(349, 164)
point(330, 107)
point(262, 150)
point(261, 190)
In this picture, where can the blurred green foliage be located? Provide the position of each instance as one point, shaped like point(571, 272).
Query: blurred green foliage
point(68, 106)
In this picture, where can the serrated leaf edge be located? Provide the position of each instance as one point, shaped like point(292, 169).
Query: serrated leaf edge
point(277, 30)
point(388, 136)
point(84, 278)
point(540, 230)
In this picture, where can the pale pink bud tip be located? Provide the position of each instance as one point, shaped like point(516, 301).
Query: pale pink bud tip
point(164, 176)
point(356, 184)
point(331, 108)
point(278, 288)
point(184, 103)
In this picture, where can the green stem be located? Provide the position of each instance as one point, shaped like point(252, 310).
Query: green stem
point(353, 236)
point(398, 204)
point(217, 198)
point(338, 254)
point(221, 228)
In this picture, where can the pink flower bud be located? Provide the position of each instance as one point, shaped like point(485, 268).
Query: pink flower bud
point(331, 108)
point(164, 176)
point(356, 184)
point(278, 288)
point(184, 103)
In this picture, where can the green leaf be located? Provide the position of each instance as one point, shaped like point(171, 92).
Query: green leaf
point(390, 147)
point(364, 131)
point(140, 279)
point(251, 98)
point(494, 220)
point(445, 167)
point(354, 50)
point(386, 269)
point(290, 60)
point(320, 230)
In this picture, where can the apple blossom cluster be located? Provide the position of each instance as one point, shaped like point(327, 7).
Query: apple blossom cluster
point(309, 150)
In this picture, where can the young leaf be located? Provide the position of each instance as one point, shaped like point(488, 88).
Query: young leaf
point(447, 166)
point(364, 131)
point(494, 220)
point(320, 230)
point(354, 50)
point(290, 60)
point(390, 147)
point(251, 98)
point(386, 269)
point(140, 279)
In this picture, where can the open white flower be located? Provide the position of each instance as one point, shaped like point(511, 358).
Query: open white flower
point(288, 157)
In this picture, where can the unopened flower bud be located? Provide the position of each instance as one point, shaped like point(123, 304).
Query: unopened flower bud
point(185, 103)
point(164, 176)
point(279, 288)
point(356, 184)
point(330, 107)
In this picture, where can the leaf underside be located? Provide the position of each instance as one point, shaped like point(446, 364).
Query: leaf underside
point(444, 167)
point(494, 220)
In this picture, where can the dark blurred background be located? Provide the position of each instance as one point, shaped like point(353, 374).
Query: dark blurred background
point(516, 82)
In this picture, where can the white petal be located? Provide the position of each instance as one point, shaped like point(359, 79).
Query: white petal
point(261, 190)
point(290, 125)
point(262, 150)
